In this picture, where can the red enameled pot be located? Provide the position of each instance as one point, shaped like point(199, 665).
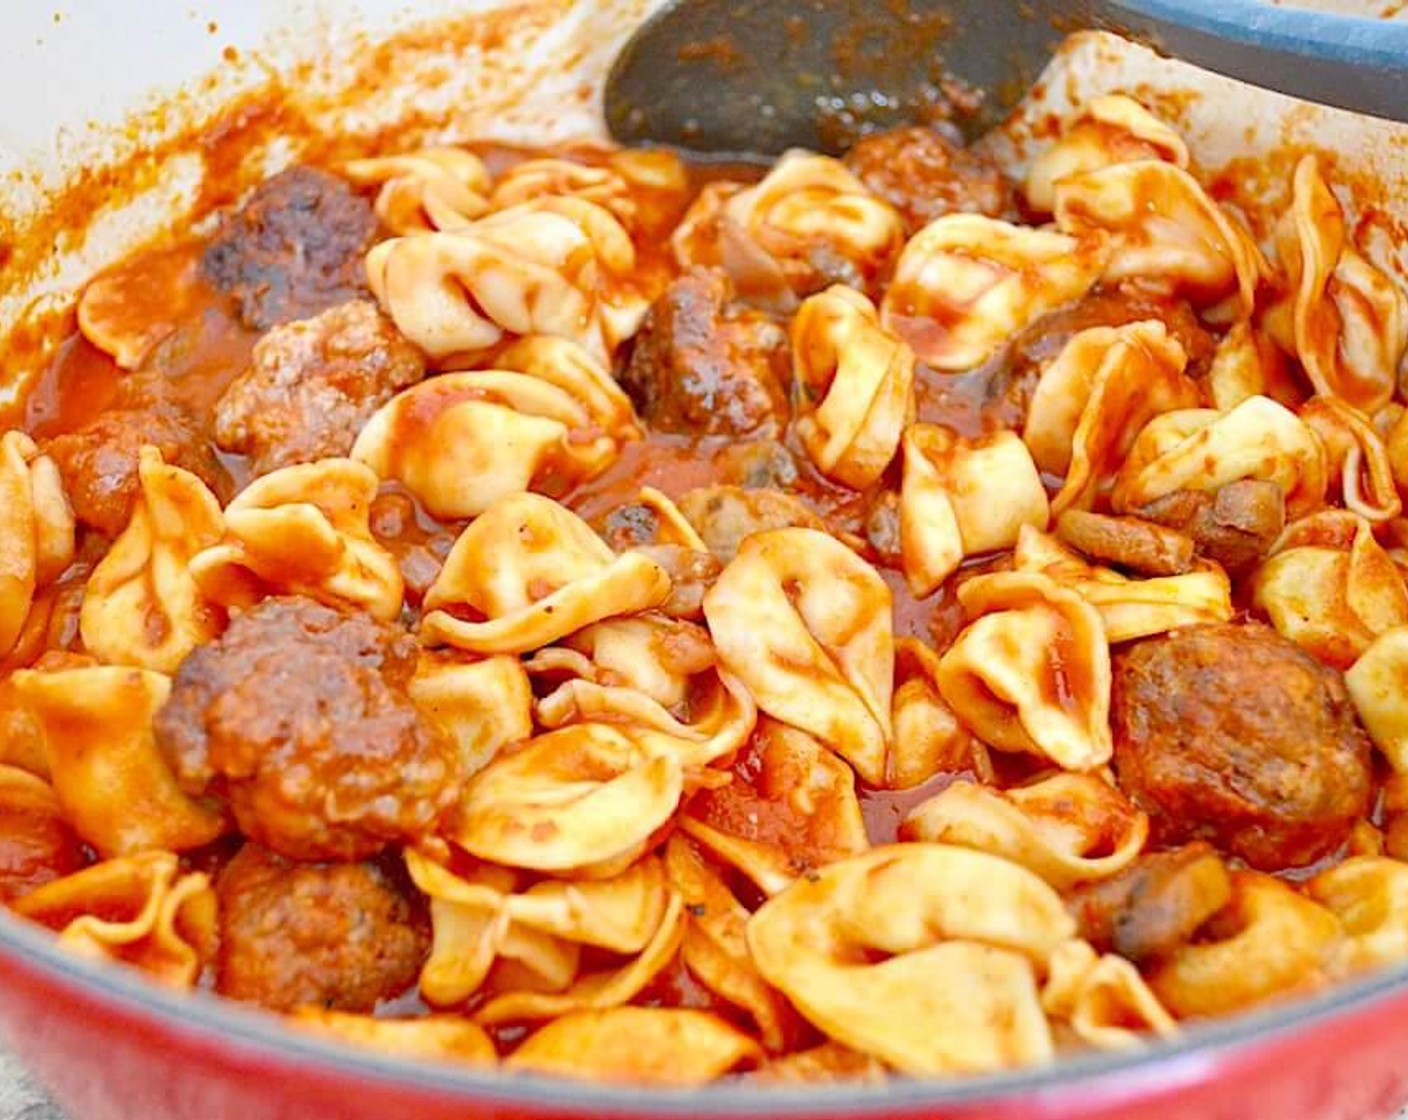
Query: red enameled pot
point(111, 1045)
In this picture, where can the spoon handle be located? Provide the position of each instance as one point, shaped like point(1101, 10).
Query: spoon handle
point(1352, 63)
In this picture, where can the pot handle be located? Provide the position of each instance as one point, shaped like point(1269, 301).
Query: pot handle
point(1350, 62)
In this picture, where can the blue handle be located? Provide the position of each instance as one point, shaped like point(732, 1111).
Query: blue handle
point(1354, 63)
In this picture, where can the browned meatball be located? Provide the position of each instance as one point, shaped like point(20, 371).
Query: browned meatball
point(1155, 904)
point(99, 460)
point(298, 716)
point(1235, 735)
point(924, 176)
point(294, 248)
point(1038, 344)
point(703, 367)
point(312, 384)
point(1235, 525)
point(341, 936)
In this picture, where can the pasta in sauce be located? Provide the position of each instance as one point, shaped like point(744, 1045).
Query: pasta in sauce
point(580, 612)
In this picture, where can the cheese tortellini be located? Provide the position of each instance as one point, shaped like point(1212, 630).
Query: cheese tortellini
point(650, 1045)
point(857, 382)
point(483, 917)
point(583, 799)
point(1165, 232)
point(805, 625)
point(142, 909)
point(1289, 936)
point(551, 414)
point(961, 938)
point(1110, 130)
point(1129, 608)
point(715, 945)
point(115, 786)
point(1246, 363)
point(1369, 895)
point(771, 236)
point(442, 1038)
point(1068, 828)
point(1093, 399)
point(1103, 999)
point(635, 185)
point(144, 604)
point(1331, 588)
point(303, 530)
point(555, 266)
point(528, 572)
point(425, 190)
point(681, 703)
point(1378, 683)
point(1357, 458)
point(1203, 449)
point(841, 640)
point(962, 498)
point(37, 527)
point(965, 284)
point(1031, 670)
point(1345, 320)
point(483, 704)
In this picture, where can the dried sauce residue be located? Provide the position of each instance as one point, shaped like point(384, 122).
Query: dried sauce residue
point(231, 137)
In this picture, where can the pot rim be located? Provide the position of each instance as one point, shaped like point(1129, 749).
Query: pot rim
point(211, 1019)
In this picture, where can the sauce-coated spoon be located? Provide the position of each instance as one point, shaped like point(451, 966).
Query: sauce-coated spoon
point(759, 76)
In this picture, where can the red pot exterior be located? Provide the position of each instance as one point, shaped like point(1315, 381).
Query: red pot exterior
point(108, 1058)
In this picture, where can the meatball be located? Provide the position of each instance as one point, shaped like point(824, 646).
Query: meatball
point(1155, 904)
point(924, 176)
point(1010, 389)
point(725, 515)
point(312, 384)
point(98, 461)
point(298, 716)
point(701, 367)
point(1235, 525)
point(294, 248)
point(1233, 734)
point(341, 936)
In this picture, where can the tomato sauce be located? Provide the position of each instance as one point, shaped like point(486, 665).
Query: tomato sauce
point(204, 348)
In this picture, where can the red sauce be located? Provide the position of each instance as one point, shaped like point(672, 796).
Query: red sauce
point(672, 464)
point(675, 986)
point(206, 349)
point(884, 810)
point(80, 384)
point(192, 365)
